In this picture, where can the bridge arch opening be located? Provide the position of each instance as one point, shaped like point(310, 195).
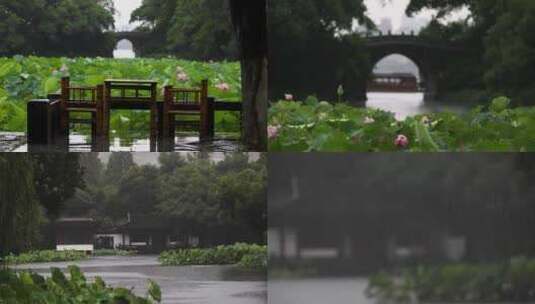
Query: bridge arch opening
point(395, 73)
point(124, 49)
point(396, 85)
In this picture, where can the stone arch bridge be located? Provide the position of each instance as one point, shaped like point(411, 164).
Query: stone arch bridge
point(136, 37)
point(425, 53)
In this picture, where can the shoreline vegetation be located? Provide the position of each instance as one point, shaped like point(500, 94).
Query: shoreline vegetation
point(510, 281)
point(314, 126)
point(47, 256)
point(246, 256)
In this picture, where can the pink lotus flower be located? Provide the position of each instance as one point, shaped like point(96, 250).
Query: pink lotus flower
point(182, 77)
point(225, 87)
point(402, 141)
point(273, 131)
point(288, 97)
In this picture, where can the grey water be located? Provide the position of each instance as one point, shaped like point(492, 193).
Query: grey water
point(409, 104)
point(183, 143)
point(319, 291)
point(180, 285)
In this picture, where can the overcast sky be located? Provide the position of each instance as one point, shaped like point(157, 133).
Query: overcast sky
point(395, 11)
point(377, 10)
point(124, 10)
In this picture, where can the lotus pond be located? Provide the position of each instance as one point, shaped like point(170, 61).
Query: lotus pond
point(325, 127)
point(26, 78)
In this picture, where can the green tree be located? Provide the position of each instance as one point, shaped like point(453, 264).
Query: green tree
point(169, 162)
point(52, 27)
point(497, 35)
point(199, 29)
point(57, 176)
point(311, 28)
point(510, 51)
point(92, 167)
point(20, 212)
point(242, 196)
point(189, 193)
point(138, 190)
point(118, 166)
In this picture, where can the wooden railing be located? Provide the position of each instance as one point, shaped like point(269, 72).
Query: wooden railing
point(44, 129)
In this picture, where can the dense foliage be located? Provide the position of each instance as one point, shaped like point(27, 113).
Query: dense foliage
point(321, 126)
point(222, 202)
point(194, 29)
point(310, 55)
point(24, 78)
point(45, 256)
point(29, 288)
point(20, 212)
point(113, 252)
point(34, 189)
point(202, 29)
point(510, 281)
point(498, 39)
point(52, 27)
point(245, 255)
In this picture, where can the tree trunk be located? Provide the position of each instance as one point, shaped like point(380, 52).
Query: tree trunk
point(249, 18)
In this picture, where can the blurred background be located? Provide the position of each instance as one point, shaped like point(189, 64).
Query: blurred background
point(361, 228)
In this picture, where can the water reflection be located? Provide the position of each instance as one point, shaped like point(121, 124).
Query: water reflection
point(409, 104)
point(124, 54)
point(184, 142)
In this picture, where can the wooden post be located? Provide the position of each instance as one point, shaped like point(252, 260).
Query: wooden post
point(39, 124)
point(166, 124)
point(54, 112)
point(153, 117)
point(99, 140)
point(161, 138)
point(211, 117)
point(204, 132)
point(64, 114)
point(106, 110)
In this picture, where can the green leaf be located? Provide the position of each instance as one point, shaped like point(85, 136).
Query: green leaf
point(500, 104)
point(423, 136)
point(154, 291)
point(50, 85)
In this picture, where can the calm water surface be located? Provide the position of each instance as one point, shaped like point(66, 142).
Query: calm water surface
point(408, 104)
point(325, 291)
point(318, 291)
point(184, 143)
point(180, 285)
